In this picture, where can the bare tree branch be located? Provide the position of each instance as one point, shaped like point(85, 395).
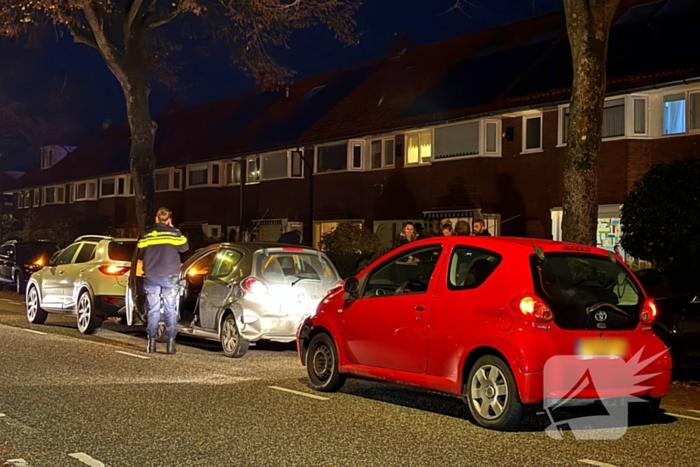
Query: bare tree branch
point(82, 36)
point(131, 16)
point(111, 54)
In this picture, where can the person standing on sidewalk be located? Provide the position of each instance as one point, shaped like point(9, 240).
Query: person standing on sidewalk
point(160, 249)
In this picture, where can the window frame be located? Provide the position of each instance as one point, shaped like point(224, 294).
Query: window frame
point(116, 194)
point(687, 93)
point(233, 163)
point(526, 118)
point(482, 132)
point(630, 117)
point(626, 103)
point(258, 172)
point(383, 153)
point(421, 162)
point(457, 288)
point(289, 156)
point(172, 174)
point(36, 197)
point(209, 166)
point(87, 190)
point(350, 145)
point(56, 199)
point(364, 283)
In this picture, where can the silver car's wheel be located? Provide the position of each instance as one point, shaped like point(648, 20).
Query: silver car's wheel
point(492, 395)
point(87, 321)
point(35, 314)
point(233, 344)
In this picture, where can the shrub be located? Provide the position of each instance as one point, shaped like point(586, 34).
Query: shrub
point(660, 223)
point(349, 247)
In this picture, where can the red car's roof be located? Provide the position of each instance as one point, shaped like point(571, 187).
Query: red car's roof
point(504, 242)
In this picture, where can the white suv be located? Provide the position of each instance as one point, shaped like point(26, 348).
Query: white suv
point(87, 278)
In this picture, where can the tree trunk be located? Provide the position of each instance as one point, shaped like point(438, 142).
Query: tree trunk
point(588, 25)
point(142, 158)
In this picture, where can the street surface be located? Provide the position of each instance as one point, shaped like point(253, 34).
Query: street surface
point(73, 400)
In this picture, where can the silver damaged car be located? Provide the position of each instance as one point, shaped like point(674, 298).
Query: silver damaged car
point(238, 293)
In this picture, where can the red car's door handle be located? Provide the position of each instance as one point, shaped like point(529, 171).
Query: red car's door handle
point(420, 307)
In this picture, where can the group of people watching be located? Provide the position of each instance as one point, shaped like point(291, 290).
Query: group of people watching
point(462, 228)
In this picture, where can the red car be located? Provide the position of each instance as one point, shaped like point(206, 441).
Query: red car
point(479, 317)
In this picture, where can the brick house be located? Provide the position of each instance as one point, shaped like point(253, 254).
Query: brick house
point(472, 127)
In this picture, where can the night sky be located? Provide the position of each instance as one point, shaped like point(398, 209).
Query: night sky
point(69, 82)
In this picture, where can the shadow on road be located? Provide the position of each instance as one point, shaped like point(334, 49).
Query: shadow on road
point(450, 406)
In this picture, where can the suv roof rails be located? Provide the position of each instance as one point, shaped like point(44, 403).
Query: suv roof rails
point(91, 238)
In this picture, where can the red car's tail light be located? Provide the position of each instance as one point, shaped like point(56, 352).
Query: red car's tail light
point(532, 308)
point(647, 315)
point(254, 286)
point(113, 270)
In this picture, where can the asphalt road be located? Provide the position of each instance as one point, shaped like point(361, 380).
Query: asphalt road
point(72, 400)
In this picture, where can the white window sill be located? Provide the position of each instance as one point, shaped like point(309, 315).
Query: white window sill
point(281, 178)
point(85, 199)
point(230, 185)
point(252, 183)
point(170, 190)
point(330, 172)
point(419, 164)
point(386, 167)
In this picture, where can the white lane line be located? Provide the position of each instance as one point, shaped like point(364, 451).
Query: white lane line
point(693, 410)
point(2, 415)
point(87, 460)
point(596, 463)
point(142, 357)
point(17, 463)
point(33, 331)
point(299, 393)
point(683, 416)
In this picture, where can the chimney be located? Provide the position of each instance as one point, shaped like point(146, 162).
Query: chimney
point(399, 44)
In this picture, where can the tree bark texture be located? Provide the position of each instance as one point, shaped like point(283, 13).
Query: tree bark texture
point(588, 25)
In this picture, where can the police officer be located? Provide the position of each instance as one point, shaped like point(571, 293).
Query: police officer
point(160, 249)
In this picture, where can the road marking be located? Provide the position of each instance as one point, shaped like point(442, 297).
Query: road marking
point(2, 415)
point(142, 357)
point(596, 463)
point(683, 416)
point(17, 463)
point(299, 393)
point(33, 331)
point(87, 460)
point(694, 411)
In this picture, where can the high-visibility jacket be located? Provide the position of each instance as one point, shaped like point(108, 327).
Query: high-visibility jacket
point(160, 249)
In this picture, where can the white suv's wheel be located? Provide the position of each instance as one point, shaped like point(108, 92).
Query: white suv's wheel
point(88, 322)
point(35, 314)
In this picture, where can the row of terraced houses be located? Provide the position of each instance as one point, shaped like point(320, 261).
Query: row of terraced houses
point(472, 127)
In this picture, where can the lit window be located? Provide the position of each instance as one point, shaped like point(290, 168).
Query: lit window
point(253, 170)
point(418, 148)
point(674, 114)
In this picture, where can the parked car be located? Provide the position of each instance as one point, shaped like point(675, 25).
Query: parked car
point(20, 259)
point(678, 325)
point(478, 317)
point(87, 278)
point(238, 293)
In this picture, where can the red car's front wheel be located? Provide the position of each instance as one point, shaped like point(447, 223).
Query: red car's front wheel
point(322, 364)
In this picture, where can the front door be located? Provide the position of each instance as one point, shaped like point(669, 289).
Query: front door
point(53, 282)
point(217, 286)
point(387, 327)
